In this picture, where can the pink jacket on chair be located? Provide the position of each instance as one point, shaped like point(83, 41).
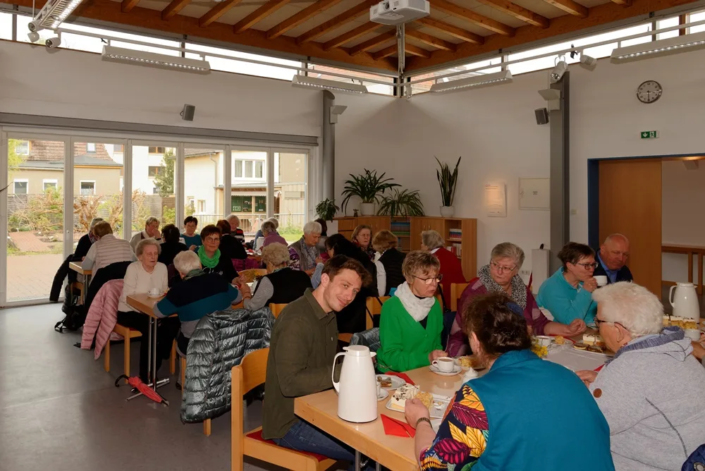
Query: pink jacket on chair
point(102, 317)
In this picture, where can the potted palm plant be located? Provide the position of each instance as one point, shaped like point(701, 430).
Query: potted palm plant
point(401, 203)
point(368, 187)
point(448, 182)
point(326, 209)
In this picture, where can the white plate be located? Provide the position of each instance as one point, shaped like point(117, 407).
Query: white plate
point(397, 382)
point(438, 408)
point(456, 369)
point(384, 394)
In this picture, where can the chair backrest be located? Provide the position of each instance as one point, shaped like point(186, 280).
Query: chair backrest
point(249, 275)
point(251, 372)
point(456, 290)
point(277, 309)
point(374, 308)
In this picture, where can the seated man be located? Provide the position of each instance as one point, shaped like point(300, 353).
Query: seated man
point(235, 229)
point(304, 343)
point(612, 259)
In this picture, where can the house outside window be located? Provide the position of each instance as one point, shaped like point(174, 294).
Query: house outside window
point(156, 150)
point(22, 147)
point(201, 206)
point(21, 187)
point(154, 170)
point(119, 148)
point(90, 147)
point(87, 187)
point(248, 169)
point(241, 204)
point(49, 183)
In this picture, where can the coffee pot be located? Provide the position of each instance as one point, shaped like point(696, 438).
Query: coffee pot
point(357, 388)
point(685, 304)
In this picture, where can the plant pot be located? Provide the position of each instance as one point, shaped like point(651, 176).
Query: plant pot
point(367, 209)
point(447, 211)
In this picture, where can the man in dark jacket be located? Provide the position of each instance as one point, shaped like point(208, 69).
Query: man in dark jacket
point(612, 259)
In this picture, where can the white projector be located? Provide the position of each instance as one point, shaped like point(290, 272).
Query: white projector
point(396, 12)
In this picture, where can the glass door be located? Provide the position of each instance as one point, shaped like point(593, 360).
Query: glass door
point(249, 190)
point(290, 193)
point(35, 216)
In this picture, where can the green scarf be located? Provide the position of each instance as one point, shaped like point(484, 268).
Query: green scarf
point(208, 262)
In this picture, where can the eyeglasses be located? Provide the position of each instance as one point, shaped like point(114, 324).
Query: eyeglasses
point(430, 281)
point(588, 266)
point(213, 239)
point(600, 321)
point(501, 268)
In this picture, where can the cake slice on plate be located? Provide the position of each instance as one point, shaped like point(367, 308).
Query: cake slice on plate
point(401, 395)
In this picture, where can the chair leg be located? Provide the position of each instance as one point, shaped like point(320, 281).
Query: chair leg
point(126, 356)
point(172, 358)
point(106, 356)
point(207, 427)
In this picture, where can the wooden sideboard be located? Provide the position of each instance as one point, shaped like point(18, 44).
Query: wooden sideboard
point(408, 231)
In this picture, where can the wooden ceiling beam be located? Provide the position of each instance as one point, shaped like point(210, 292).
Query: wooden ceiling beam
point(431, 40)
point(128, 5)
point(624, 3)
point(417, 51)
point(469, 15)
point(386, 52)
point(334, 23)
point(174, 8)
point(571, 7)
point(369, 44)
point(216, 12)
point(304, 15)
point(350, 35)
point(258, 15)
point(452, 30)
point(518, 12)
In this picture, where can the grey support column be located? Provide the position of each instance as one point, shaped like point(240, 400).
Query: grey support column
point(560, 176)
point(328, 150)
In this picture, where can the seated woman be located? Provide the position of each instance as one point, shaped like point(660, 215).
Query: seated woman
point(198, 295)
point(412, 320)
point(281, 285)
point(502, 276)
point(651, 392)
point(524, 413)
point(85, 242)
point(304, 252)
point(191, 238)
point(567, 294)
point(171, 245)
point(106, 250)
point(211, 257)
point(270, 235)
point(362, 237)
point(451, 268)
point(230, 247)
point(142, 276)
point(151, 231)
point(389, 265)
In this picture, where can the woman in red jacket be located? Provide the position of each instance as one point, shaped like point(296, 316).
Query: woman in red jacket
point(451, 269)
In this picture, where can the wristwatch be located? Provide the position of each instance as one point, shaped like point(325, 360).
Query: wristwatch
point(423, 419)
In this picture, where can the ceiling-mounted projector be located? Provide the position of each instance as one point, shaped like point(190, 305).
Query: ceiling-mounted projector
point(396, 12)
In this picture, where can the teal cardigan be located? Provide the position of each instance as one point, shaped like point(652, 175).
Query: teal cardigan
point(405, 343)
point(564, 302)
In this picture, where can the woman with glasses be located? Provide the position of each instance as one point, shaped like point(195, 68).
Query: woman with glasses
point(501, 275)
point(212, 259)
point(651, 392)
point(412, 320)
point(567, 294)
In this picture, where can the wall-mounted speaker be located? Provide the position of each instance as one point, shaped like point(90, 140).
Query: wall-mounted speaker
point(541, 116)
point(188, 112)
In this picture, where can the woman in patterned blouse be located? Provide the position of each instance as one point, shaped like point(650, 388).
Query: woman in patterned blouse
point(523, 414)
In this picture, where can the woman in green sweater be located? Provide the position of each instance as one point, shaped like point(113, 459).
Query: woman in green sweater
point(412, 320)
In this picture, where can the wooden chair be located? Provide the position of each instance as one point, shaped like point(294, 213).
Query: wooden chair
point(128, 334)
point(247, 375)
point(456, 290)
point(249, 275)
point(207, 429)
point(277, 309)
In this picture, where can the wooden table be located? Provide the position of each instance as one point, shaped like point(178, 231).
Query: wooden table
point(78, 267)
point(690, 251)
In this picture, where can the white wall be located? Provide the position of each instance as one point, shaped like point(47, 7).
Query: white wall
point(683, 200)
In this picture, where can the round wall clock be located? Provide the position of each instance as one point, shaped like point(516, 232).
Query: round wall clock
point(649, 91)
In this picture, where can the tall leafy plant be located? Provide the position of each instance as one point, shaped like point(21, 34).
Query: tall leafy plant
point(447, 181)
point(401, 203)
point(326, 209)
point(368, 187)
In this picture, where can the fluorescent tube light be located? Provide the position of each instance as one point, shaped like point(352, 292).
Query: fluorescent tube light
point(52, 14)
point(131, 56)
point(303, 81)
point(473, 82)
point(689, 42)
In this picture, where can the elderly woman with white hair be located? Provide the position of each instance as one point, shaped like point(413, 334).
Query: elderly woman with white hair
point(651, 391)
point(141, 277)
point(501, 275)
point(198, 295)
point(270, 234)
point(235, 229)
point(151, 231)
point(451, 268)
point(305, 252)
point(281, 285)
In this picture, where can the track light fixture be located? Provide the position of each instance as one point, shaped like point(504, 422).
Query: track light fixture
point(481, 80)
point(52, 14)
point(587, 62)
point(558, 71)
point(663, 47)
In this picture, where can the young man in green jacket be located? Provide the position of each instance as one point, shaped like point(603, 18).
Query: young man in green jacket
point(304, 343)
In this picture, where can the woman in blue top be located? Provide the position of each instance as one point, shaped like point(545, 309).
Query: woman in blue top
point(523, 414)
point(568, 293)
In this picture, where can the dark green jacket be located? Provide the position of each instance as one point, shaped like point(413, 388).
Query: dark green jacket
point(304, 343)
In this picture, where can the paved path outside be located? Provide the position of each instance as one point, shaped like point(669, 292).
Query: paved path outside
point(31, 276)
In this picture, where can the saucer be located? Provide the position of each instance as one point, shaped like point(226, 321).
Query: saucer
point(155, 296)
point(384, 394)
point(456, 369)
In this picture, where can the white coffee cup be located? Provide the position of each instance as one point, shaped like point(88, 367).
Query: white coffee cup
point(601, 280)
point(154, 292)
point(379, 388)
point(444, 364)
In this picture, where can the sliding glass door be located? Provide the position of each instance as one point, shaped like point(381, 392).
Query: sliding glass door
point(290, 192)
point(152, 184)
point(204, 184)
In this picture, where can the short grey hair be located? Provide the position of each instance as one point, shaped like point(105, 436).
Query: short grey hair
point(94, 221)
point(508, 250)
point(268, 227)
point(231, 217)
point(151, 220)
point(144, 243)
point(187, 261)
point(313, 227)
point(275, 221)
point(633, 306)
point(432, 239)
point(616, 235)
point(277, 254)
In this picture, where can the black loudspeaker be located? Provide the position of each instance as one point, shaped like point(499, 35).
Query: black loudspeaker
point(188, 112)
point(541, 116)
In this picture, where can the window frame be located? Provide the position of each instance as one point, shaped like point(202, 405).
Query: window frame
point(15, 181)
point(88, 147)
point(49, 180)
point(29, 148)
point(80, 187)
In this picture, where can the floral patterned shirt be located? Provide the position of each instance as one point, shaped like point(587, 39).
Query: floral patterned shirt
point(462, 436)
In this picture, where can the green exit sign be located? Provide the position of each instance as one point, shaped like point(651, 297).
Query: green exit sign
point(649, 134)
